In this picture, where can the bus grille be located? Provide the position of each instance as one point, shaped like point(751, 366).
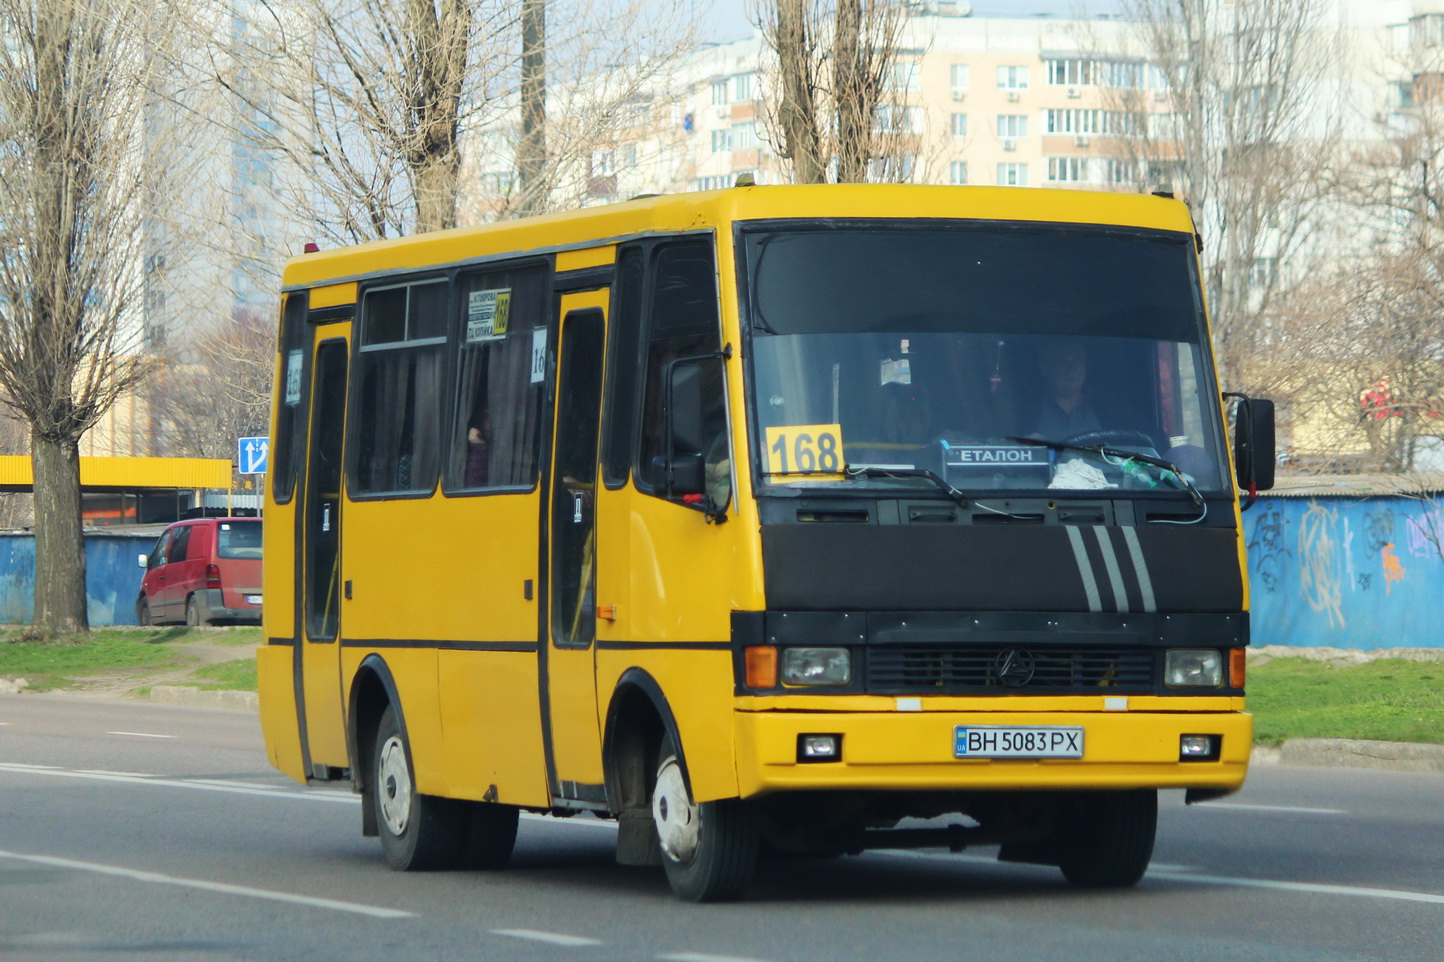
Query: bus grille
point(940, 669)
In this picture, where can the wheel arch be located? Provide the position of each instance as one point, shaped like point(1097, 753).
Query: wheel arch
point(373, 690)
point(638, 718)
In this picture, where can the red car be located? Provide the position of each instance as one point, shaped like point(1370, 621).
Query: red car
point(203, 572)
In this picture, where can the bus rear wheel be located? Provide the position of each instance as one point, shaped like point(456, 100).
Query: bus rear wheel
point(418, 832)
point(709, 850)
point(1107, 839)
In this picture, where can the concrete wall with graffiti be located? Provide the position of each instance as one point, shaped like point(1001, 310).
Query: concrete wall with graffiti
point(1359, 573)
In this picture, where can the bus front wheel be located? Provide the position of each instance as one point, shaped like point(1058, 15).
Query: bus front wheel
point(418, 832)
point(1108, 838)
point(709, 850)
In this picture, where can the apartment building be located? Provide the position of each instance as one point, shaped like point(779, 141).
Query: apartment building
point(1014, 102)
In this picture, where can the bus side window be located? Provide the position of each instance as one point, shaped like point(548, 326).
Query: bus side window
point(493, 439)
point(398, 400)
point(293, 388)
point(624, 350)
point(682, 323)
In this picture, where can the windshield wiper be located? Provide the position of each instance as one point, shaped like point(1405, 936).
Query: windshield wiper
point(1105, 452)
point(872, 471)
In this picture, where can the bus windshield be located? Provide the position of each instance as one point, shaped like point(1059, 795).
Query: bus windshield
point(954, 349)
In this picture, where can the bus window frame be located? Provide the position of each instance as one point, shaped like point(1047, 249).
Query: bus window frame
point(1201, 326)
point(456, 325)
point(655, 247)
point(296, 336)
point(357, 378)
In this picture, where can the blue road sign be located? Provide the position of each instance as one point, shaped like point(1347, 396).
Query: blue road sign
point(252, 453)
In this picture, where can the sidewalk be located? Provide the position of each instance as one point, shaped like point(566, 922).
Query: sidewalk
point(1353, 753)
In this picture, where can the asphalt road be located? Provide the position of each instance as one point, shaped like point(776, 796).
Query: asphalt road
point(134, 831)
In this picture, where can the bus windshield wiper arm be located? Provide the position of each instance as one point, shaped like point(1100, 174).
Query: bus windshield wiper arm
point(872, 471)
point(1105, 451)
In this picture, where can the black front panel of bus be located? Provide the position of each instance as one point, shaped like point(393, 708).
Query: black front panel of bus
point(842, 562)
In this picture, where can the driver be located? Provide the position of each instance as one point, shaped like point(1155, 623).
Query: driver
point(1063, 410)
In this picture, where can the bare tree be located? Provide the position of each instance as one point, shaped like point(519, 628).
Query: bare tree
point(1357, 360)
point(1249, 120)
point(840, 107)
point(366, 107)
point(74, 190)
point(207, 396)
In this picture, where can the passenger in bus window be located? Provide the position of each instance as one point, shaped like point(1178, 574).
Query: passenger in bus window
point(478, 445)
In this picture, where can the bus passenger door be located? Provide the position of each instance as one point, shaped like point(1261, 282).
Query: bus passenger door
point(320, 589)
point(574, 750)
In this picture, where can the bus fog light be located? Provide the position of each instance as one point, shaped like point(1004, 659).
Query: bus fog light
point(1198, 748)
point(816, 666)
point(1193, 668)
point(819, 748)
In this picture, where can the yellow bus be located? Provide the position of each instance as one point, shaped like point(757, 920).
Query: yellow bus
point(763, 520)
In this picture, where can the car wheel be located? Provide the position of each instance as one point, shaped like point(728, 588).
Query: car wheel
point(709, 850)
point(142, 613)
point(418, 832)
point(193, 612)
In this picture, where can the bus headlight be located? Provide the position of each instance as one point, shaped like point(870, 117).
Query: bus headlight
point(816, 666)
point(1193, 668)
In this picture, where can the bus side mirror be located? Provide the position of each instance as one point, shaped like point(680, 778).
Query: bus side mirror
point(681, 471)
point(1253, 443)
point(685, 414)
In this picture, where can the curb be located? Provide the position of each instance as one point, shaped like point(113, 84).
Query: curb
point(205, 698)
point(1353, 753)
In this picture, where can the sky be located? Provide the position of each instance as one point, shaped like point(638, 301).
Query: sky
point(727, 19)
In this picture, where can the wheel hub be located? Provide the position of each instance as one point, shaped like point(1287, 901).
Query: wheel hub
point(674, 813)
point(393, 786)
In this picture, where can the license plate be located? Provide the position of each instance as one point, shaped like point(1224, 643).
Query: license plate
point(1007, 741)
point(253, 599)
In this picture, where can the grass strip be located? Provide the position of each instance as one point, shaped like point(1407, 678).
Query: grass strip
point(1389, 700)
point(60, 662)
point(238, 675)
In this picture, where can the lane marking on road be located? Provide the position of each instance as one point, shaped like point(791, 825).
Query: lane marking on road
point(1290, 809)
point(334, 797)
point(221, 888)
point(141, 734)
point(703, 957)
point(551, 938)
point(1184, 873)
point(1312, 888)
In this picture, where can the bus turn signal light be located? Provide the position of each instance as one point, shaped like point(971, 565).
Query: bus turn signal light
point(760, 662)
point(1236, 666)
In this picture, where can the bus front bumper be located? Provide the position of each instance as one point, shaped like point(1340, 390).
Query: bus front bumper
point(913, 751)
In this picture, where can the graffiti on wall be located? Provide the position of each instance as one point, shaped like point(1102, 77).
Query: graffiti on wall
point(1347, 572)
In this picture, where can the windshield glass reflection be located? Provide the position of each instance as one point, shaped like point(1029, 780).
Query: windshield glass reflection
point(950, 374)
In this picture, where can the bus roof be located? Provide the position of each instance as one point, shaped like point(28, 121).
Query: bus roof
point(596, 226)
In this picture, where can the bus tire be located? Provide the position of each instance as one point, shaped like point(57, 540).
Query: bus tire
point(490, 834)
point(1108, 838)
point(709, 851)
point(418, 832)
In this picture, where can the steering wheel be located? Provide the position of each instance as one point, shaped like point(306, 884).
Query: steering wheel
point(1112, 438)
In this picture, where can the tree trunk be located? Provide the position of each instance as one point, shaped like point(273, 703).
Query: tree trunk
point(59, 544)
point(532, 152)
point(797, 111)
point(856, 99)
